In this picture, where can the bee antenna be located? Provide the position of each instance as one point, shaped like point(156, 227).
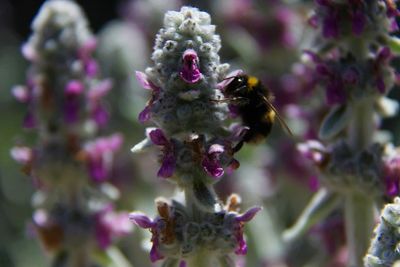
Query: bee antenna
point(227, 78)
point(280, 119)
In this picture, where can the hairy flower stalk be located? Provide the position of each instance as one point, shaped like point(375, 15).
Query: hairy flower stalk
point(384, 249)
point(352, 62)
point(196, 147)
point(74, 216)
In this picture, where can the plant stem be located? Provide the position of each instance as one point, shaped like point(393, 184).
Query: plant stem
point(359, 214)
point(359, 208)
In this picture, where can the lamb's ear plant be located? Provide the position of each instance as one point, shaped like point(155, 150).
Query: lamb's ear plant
point(384, 249)
point(190, 113)
point(70, 164)
point(351, 59)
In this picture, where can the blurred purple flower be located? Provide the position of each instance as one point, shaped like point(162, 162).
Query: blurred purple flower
point(380, 63)
point(110, 224)
point(84, 54)
point(392, 175)
point(95, 95)
point(72, 93)
point(100, 154)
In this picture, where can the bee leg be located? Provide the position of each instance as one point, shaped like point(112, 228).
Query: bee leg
point(238, 146)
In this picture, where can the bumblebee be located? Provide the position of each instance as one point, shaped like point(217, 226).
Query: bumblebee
point(254, 105)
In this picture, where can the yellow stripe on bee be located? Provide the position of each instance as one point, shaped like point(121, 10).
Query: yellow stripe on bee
point(252, 81)
point(270, 116)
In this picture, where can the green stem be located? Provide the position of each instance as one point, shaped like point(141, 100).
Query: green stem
point(359, 216)
point(79, 257)
point(359, 209)
point(361, 128)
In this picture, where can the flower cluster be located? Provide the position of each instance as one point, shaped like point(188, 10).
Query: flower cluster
point(189, 109)
point(347, 79)
point(352, 63)
point(176, 234)
point(384, 247)
point(70, 164)
point(341, 19)
point(347, 170)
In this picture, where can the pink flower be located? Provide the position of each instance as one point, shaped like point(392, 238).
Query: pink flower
point(190, 71)
point(145, 222)
point(168, 161)
point(211, 161)
point(392, 175)
point(100, 154)
point(239, 225)
point(149, 85)
point(110, 224)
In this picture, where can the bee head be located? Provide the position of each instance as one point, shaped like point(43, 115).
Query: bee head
point(238, 86)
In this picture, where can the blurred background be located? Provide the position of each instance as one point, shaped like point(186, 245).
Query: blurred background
point(264, 38)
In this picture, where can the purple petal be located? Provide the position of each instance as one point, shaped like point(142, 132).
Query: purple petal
point(190, 71)
point(216, 148)
point(88, 47)
point(155, 254)
point(248, 215)
point(103, 235)
point(312, 150)
point(158, 138)
point(323, 2)
point(313, 183)
point(40, 217)
point(393, 25)
point(242, 246)
point(330, 27)
point(392, 187)
point(358, 22)
point(351, 76)
point(380, 84)
point(97, 170)
point(141, 220)
point(74, 87)
point(228, 79)
point(167, 167)
point(100, 90)
point(117, 223)
point(182, 263)
point(91, 67)
point(115, 142)
point(323, 70)
point(100, 115)
point(313, 21)
point(384, 54)
point(29, 53)
point(313, 56)
point(212, 167)
point(20, 93)
point(71, 109)
point(233, 166)
point(144, 115)
point(238, 131)
point(29, 120)
point(234, 111)
point(145, 82)
point(21, 154)
point(335, 93)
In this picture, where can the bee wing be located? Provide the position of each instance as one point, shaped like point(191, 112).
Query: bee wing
point(280, 119)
